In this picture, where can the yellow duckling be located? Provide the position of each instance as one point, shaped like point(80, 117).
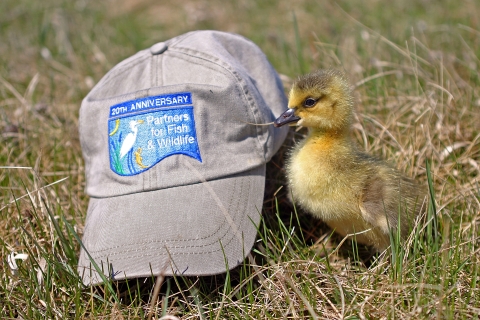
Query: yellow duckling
point(353, 192)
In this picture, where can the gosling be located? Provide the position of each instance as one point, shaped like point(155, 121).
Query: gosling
point(353, 192)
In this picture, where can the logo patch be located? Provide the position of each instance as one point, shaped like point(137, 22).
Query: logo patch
point(144, 131)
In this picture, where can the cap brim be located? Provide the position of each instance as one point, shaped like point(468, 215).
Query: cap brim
point(198, 229)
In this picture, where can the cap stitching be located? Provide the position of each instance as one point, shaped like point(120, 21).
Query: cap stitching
point(242, 219)
point(175, 247)
point(122, 68)
point(239, 80)
point(185, 240)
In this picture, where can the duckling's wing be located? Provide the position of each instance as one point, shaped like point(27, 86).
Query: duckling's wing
point(386, 197)
point(373, 203)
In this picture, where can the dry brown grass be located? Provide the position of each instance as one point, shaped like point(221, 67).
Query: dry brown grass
point(416, 78)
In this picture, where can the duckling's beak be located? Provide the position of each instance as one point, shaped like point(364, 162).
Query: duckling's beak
point(286, 117)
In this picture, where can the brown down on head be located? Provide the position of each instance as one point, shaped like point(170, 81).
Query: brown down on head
point(353, 192)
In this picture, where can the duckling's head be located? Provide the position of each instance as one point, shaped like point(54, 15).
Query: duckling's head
point(319, 100)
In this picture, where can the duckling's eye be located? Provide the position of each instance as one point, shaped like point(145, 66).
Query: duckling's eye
point(309, 102)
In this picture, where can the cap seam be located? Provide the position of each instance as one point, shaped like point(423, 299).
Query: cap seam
point(121, 70)
point(180, 185)
point(238, 80)
point(95, 254)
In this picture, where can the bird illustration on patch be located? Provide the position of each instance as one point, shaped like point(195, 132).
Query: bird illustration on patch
point(123, 148)
point(129, 141)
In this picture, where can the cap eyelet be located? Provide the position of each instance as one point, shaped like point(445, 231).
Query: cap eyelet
point(158, 48)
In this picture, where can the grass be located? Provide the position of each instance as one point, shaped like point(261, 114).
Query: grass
point(415, 68)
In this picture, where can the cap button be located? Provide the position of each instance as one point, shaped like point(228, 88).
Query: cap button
point(158, 48)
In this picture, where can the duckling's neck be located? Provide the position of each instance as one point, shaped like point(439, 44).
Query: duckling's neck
point(329, 134)
point(330, 141)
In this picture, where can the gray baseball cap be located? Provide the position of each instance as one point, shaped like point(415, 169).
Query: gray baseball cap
point(175, 167)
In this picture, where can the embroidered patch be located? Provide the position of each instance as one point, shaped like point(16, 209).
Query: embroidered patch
point(144, 131)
